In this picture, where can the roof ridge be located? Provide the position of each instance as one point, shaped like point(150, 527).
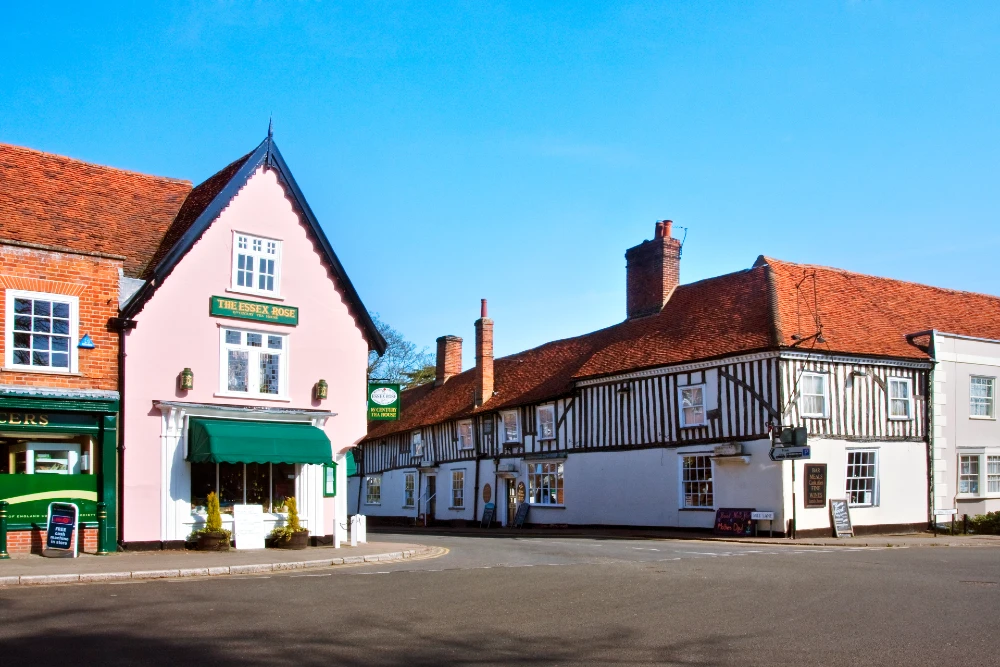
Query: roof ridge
point(67, 158)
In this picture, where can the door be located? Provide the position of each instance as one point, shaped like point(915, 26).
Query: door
point(511, 502)
point(431, 496)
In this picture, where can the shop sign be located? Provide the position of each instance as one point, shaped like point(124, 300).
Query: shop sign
point(223, 306)
point(815, 485)
point(60, 534)
point(24, 420)
point(383, 401)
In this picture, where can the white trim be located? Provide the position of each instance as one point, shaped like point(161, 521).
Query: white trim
point(538, 422)
point(253, 369)
point(910, 405)
point(704, 405)
point(877, 486)
point(826, 395)
point(74, 332)
point(233, 287)
point(681, 505)
point(472, 436)
point(854, 360)
point(517, 426)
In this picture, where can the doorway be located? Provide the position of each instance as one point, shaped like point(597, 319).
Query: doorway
point(431, 496)
point(511, 488)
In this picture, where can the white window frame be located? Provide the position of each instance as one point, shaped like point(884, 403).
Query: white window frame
point(535, 476)
point(977, 477)
point(416, 443)
point(683, 502)
point(514, 414)
point(464, 431)
point(549, 409)
point(875, 478)
point(257, 256)
point(908, 383)
point(457, 492)
point(253, 367)
point(825, 414)
point(704, 408)
point(373, 483)
point(992, 476)
point(409, 489)
point(992, 398)
point(74, 333)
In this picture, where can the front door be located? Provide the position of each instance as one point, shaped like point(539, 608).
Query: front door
point(431, 496)
point(511, 501)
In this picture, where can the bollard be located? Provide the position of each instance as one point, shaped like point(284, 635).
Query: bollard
point(965, 524)
point(3, 530)
point(102, 528)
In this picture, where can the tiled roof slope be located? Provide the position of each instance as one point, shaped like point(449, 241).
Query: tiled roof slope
point(65, 203)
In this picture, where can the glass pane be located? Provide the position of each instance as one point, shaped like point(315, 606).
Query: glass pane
point(269, 373)
point(60, 326)
point(22, 323)
point(22, 340)
point(259, 485)
point(202, 484)
point(233, 337)
point(230, 486)
point(60, 310)
point(282, 485)
point(43, 308)
point(22, 357)
point(274, 342)
point(239, 367)
point(22, 306)
point(39, 358)
point(60, 360)
point(60, 344)
point(42, 325)
point(254, 340)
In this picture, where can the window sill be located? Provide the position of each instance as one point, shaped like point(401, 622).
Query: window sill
point(546, 507)
point(900, 419)
point(814, 416)
point(373, 504)
point(256, 294)
point(457, 509)
point(252, 397)
point(862, 507)
point(982, 419)
point(703, 424)
point(40, 371)
point(696, 509)
point(547, 439)
point(409, 507)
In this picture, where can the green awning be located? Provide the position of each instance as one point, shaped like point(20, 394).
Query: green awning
point(237, 441)
point(352, 467)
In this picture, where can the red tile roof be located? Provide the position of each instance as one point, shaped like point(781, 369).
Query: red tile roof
point(64, 203)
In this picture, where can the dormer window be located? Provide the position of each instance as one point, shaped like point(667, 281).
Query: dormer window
point(256, 264)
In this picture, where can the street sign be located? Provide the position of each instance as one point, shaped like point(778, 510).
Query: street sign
point(790, 453)
point(951, 512)
point(762, 516)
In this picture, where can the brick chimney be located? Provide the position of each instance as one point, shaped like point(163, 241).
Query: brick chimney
point(484, 356)
point(653, 271)
point(449, 359)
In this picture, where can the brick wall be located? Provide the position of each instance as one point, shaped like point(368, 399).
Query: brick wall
point(653, 271)
point(94, 280)
point(32, 541)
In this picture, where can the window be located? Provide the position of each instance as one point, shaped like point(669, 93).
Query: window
point(416, 444)
point(329, 480)
point(265, 484)
point(993, 474)
point(546, 422)
point(813, 401)
point(511, 431)
point(696, 481)
point(458, 488)
point(373, 491)
point(981, 397)
point(465, 435)
point(968, 474)
point(862, 477)
point(409, 484)
point(41, 330)
point(900, 398)
point(256, 264)
point(545, 483)
point(692, 405)
point(252, 363)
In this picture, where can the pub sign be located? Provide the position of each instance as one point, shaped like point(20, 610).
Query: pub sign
point(383, 401)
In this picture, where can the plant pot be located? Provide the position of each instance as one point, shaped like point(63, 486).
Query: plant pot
point(299, 540)
point(213, 542)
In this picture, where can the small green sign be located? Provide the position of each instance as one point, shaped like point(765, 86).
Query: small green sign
point(224, 306)
point(383, 401)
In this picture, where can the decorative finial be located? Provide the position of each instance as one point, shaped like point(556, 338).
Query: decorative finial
point(270, 126)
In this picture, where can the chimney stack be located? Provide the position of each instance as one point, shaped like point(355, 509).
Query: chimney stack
point(484, 356)
point(449, 359)
point(653, 271)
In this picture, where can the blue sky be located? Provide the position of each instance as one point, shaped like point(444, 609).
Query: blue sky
point(513, 151)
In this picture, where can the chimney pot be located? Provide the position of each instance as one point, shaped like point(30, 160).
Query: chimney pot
point(667, 227)
point(658, 234)
point(482, 308)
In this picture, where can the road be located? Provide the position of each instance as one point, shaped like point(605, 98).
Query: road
point(545, 601)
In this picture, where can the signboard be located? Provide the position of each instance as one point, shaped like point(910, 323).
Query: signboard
point(729, 449)
point(248, 526)
point(840, 517)
point(789, 453)
point(488, 512)
point(520, 492)
point(951, 512)
point(60, 535)
point(762, 516)
point(487, 493)
point(383, 401)
point(329, 480)
point(734, 522)
point(815, 482)
point(224, 306)
point(522, 514)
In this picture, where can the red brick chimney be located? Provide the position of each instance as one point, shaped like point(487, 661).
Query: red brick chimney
point(484, 356)
point(449, 359)
point(653, 271)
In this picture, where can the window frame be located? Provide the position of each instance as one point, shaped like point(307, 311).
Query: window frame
point(253, 369)
point(992, 477)
point(908, 382)
point(457, 473)
point(826, 395)
point(534, 477)
point(459, 426)
point(683, 482)
point(74, 332)
point(992, 397)
point(517, 426)
point(410, 487)
point(270, 494)
point(548, 407)
point(876, 486)
point(377, 479)
point(976, 457)
point(233, 287)
point(416, 443)
point(328, 470)
point(704, 405)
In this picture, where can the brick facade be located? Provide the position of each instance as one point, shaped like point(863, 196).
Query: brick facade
point(449, 359)
point(653, 271)
point(32, 541)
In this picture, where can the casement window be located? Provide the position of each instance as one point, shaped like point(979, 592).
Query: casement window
point(546, 422)
point(416, 443)
point(265, 484)
point(409, 486)
point(814, 395)
point(458, 489)
point(465, 434)
point(697, 485)
point(511, 428)
point(373, 491)
point(41, 332)
point(968, 474)
point(981, 397)
point(992, 474)
point(900, 398)
point(692, 400)
point(862, 477)
point(545, 483)
point(256, 264)
point(253, 364)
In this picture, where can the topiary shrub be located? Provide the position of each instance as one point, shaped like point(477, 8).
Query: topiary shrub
point(292, 526)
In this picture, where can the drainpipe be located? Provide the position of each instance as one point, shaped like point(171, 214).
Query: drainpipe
point(479, 448)
point(124, 325)
point(929, 418)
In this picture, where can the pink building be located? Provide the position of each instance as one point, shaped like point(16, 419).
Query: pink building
point(246, 303)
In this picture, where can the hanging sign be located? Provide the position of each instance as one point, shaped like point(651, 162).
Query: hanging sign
point(224, 306)
point(383, 401)
point(815, 484)
point(840, 516)
point(60, 534)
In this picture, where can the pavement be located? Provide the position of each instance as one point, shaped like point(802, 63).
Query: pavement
point(126, 565)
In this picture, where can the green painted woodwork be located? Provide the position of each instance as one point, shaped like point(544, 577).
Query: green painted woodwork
point(224, 306)
point(41, 404)
point(329, 480)
point(239, 441)
point(29, 495)
point(352, 466)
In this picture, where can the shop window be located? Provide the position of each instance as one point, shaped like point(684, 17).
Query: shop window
point(546, 422)
point(465, 434)
point(900, 398)
point(41, 331)
point(968, 474)
point(511, 428)
point(545, 483)
point(862, 477)
point(981, 397)
point(48, 458)
point(264, 484)
point(409, 486)
point(814, 398)
point(373, 491)
point(696, 482)
point(256, 264)
point(692, 401)
point(253, 364)
point(458, 489)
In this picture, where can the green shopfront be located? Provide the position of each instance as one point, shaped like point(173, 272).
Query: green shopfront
point(58, 446)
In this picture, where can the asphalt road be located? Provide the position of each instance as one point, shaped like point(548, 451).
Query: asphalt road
point(545, 601)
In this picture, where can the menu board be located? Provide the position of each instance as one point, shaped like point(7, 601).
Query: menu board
point(815, 482)
point(840, 516)
point(734, 522)
point(488, 512)
point(60, 532)
point(522, 514)
point(248, 526)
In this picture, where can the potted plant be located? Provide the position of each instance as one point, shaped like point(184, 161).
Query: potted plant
point(213, 537)
point(292, 535)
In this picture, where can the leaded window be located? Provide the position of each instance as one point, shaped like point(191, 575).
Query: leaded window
point(253, 363)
